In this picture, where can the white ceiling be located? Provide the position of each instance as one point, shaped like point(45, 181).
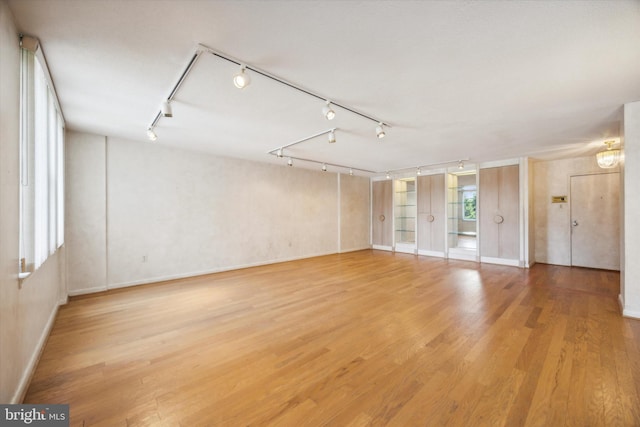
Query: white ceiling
point(483, 80)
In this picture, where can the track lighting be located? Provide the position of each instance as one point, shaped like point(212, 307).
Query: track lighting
point(242, 79)
point(460, 164)
point(332, 137)
point(350, 172)
point(166, 109)
point(328, 112)
point(380, 131)
point(324, 167)
point(280, 152)
point(418, 172)
point(151, 134)
point(290, 162)
point(388, 176)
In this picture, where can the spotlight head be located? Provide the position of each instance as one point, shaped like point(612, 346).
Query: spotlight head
point(380, 131)
point(166, 109)
point(242, 79)
point(328, 112)
point(418, 172)
point(324, 167)
point(332, 137)
point(388, 176)
point(151, 135)
point(290, 162)
point(280, 152)
point(460, 164)
point(350, 172)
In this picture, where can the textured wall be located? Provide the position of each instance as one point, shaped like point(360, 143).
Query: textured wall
point(85, 216)
point(355, 203)
point(552, 220)
point(26, 312)
point(172, 213)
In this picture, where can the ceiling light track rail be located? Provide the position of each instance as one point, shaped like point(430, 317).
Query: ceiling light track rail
point(176, 87)
point(324, 132)
point(289, 84)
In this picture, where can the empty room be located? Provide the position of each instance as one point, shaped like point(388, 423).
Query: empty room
point(310, 213)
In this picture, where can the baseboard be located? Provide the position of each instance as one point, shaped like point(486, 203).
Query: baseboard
point(25, 380)
point(85, 291)
point(206, 272)
point(500, 261)
point(632, 314)
point(364, 248)
point(438, 254)
point(621, 303)
point(382, 248)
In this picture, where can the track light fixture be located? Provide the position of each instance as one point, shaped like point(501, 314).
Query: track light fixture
point(460, 164)
point(418, 172)
point(350, 172)
point(166, 109)
point(324, 167)
point(380, 131)
point(280, 152)
point(151, 134)
point(332, 137)
point(388, 176)
point(290, 161)
point(242, 79)
point(328, 112)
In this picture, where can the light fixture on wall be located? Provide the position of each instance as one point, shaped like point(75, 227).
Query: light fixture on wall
point(608, 158)
point(151, 135)
point(328, 112)
point(242, 79)
point(166, 109)
point(380, 131)
point(332, 137)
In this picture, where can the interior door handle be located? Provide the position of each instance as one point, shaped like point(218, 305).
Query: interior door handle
point(574, 223)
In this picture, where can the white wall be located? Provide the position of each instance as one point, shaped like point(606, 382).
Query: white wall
point(139, 212)
point(630, 286)
point(552, 220)
point(26, 312)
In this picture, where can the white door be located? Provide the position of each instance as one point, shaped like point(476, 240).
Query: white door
point(595, 221)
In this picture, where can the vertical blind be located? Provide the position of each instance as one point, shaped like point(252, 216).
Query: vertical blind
point(41, 163)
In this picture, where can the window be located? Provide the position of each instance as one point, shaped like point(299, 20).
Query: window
point(469, 205)
point(41, 162)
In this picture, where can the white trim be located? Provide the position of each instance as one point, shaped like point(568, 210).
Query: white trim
point(439, 254)
point(469, 256)
point(500, 261)
point(405, 249)
point(632, 314)
point(382, 248)
point(498, 163)
point(339, 214)
point(27, 374)
point(85, 291)
point(363, 248)
point(215, 270)
point(621, 302)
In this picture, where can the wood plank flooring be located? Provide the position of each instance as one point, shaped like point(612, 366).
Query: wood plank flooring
point(367, 338)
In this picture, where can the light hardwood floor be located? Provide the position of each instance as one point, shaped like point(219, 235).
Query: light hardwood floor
point(365, 338)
